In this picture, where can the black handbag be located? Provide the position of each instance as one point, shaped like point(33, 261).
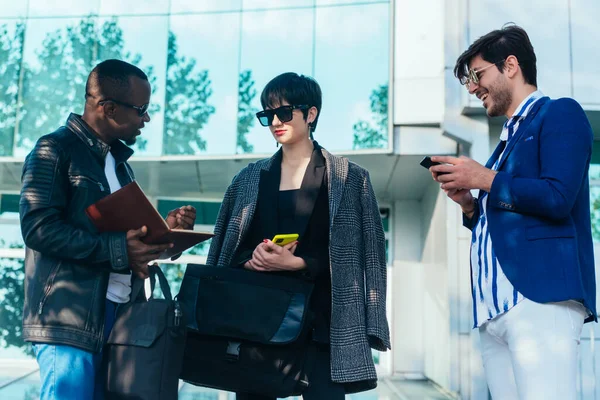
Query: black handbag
point(247, 330)
point(145, 347)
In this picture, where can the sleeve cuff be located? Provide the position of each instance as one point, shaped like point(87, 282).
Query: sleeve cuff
point(119, 260)
point(312, 270)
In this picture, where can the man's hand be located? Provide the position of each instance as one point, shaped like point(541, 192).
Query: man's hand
point(462, 173)
point(140, 254)
point(270, 257)
point(182, 218)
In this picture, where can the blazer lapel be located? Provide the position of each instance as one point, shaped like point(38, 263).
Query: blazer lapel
point(311, 185)
point(523, 126)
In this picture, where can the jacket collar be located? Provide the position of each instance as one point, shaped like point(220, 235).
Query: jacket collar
point(83, 131)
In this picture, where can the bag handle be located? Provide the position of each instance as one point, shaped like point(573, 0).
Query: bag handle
point(154, 271)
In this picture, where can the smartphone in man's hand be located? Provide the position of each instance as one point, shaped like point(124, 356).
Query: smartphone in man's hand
point(427, 163)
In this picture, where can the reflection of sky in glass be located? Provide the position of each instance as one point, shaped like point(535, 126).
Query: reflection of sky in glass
point(121, 7)
point(13, 9)
point(334, 2)
point(148, 37)
point(550, 38)
point(269, 4)
point(10, 234)
point(181, 6)
point(215, 50)
point(64, 8)
point(351, 60)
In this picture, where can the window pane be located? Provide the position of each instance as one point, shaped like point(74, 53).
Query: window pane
point(595, 200)
point(335, 2)
point(186, 6)
point(264, 56)
point(11, 52)
point(202, 84)
point(57, 61)
point(586, 59)
point(352, 67)
point(60, 53)
point(275, 4)
point(119, 7)
point(63, 8)
point(9, 204)
point(144, 44)
point(13, 9)
point(12, 276)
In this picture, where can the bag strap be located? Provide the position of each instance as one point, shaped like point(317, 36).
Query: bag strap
point(154, 271)
point(162, 280)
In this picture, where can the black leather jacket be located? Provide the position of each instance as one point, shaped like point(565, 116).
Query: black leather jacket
point(67, 262)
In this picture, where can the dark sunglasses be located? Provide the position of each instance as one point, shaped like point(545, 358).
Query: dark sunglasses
point(141, 110)
point(284, 114)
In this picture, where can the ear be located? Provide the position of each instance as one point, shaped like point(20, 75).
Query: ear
point(312, 114)
point(511, 65)
point(109, 109)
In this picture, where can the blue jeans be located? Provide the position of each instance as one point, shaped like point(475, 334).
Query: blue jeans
point(67, 372)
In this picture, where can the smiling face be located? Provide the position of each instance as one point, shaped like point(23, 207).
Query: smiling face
point(493, 88)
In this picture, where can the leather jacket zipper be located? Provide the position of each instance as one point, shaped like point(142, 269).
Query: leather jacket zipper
point(85, 178)
point(49, 284)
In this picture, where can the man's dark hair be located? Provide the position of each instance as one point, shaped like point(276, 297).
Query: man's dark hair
point(496, 46)
point(110, 79)
point(296, 90)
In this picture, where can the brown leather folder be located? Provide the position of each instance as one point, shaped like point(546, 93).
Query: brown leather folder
point(128, 208)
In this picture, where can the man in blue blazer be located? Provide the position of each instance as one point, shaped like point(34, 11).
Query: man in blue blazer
point(532, 262)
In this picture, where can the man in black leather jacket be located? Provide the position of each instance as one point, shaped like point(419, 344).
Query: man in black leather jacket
point(75, 276)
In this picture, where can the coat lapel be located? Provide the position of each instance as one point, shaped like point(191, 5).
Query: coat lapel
point(337, 173)
point(523, 126)
point(311, 185)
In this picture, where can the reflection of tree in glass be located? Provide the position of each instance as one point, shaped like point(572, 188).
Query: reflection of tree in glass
point(186, 104)
point(246, 112)
point(12, 277)
point(56, 85)
point(11, 49)
point(595, 201)
point(369, 135)
point(32, 393)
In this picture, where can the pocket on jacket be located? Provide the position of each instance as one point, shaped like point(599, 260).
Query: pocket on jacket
point(549, 232)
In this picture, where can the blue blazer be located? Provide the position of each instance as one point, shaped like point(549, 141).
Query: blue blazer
point(538, 207)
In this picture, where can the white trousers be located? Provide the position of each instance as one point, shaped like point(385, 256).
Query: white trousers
point(530, 352)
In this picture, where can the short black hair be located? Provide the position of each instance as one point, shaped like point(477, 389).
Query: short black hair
point(510, 40)
point(110, 79)
point(294, 89)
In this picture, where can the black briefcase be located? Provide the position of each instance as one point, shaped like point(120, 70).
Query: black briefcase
point(145, 348)
point(247, 330)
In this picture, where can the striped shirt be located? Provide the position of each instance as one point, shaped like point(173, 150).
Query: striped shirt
point(493, 294)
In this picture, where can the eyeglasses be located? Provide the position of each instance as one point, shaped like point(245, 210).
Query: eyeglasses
point(473, 74)
point(141, 110)
point(284, 114)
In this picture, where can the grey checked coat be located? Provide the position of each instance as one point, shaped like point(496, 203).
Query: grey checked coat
point(357, 260)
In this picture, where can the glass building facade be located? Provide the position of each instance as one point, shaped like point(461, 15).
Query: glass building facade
point(389, 98)
point(207, 61)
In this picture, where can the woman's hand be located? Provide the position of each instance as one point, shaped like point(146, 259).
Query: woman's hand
point(269, 257)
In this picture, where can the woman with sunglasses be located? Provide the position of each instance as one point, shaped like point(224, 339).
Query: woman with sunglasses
point(330, 203)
